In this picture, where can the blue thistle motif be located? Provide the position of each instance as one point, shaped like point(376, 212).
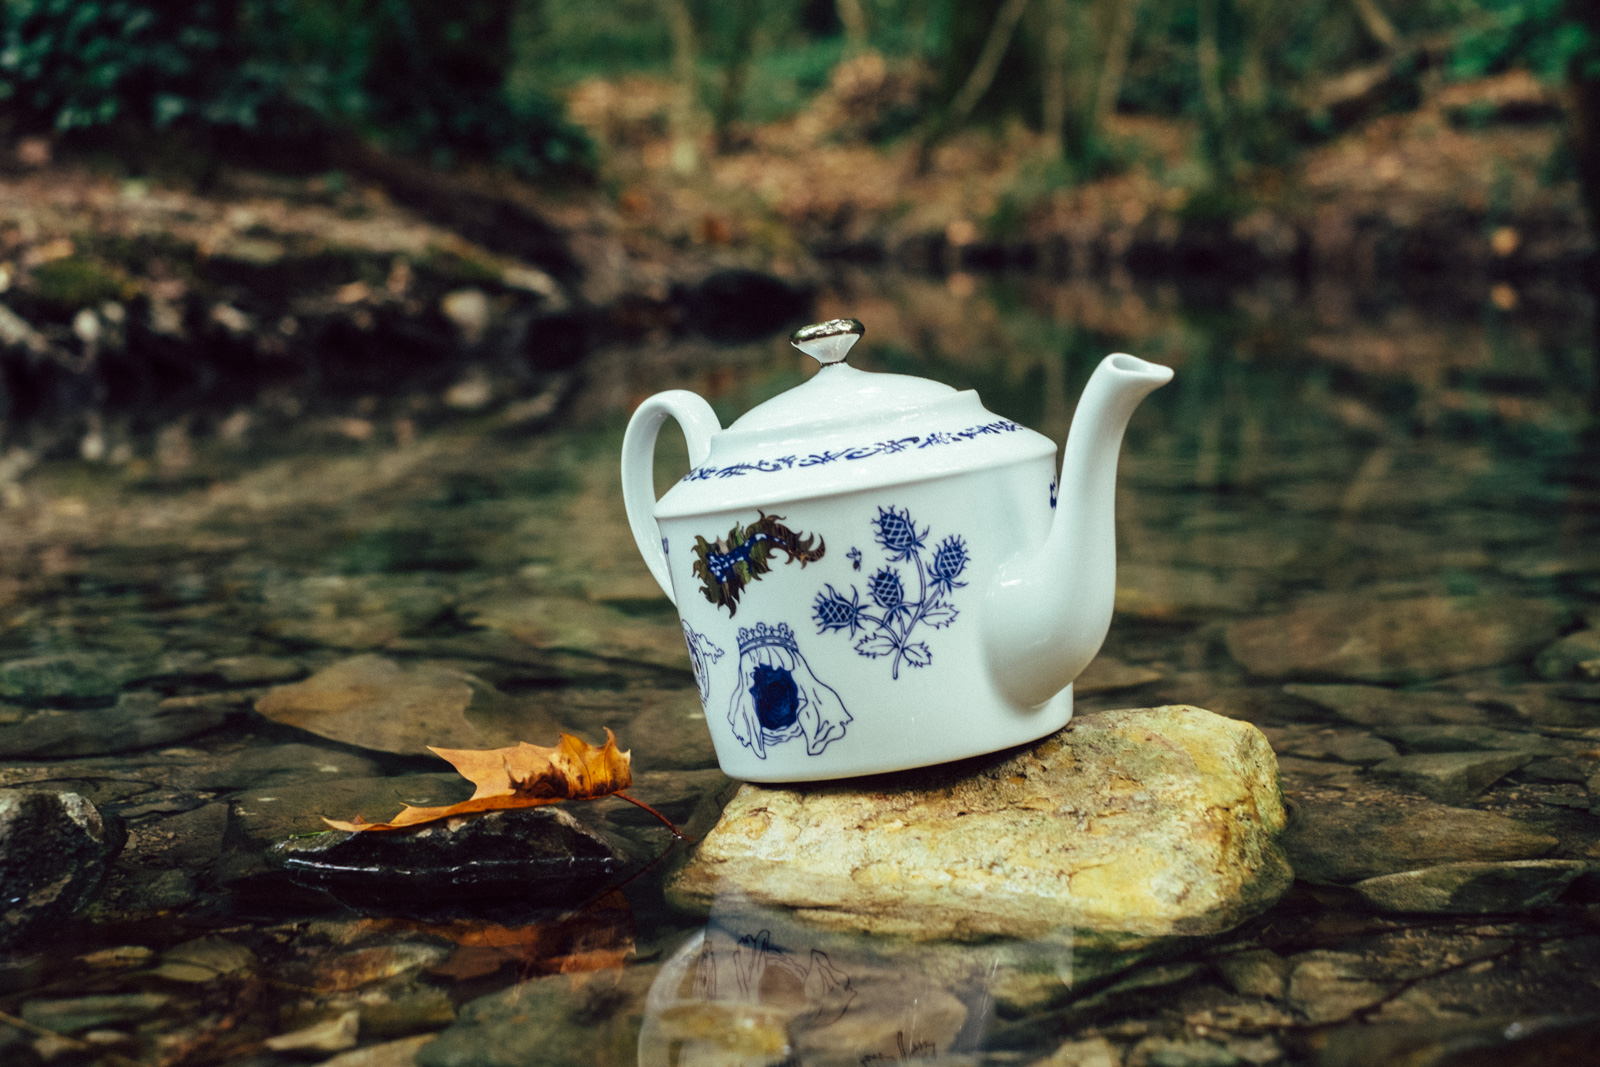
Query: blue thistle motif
point(886, 590)
point(898, 534)
point(888, 631)
point(949, 560)
point(833, 612)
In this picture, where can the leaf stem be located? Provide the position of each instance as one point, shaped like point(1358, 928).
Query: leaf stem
point(679, 834)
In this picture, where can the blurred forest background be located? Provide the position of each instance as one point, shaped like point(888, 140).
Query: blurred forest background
point(176, 172)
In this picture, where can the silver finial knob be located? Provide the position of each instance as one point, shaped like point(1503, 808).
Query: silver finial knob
point(828, 342)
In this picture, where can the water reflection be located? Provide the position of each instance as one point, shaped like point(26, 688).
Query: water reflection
point(755, 987)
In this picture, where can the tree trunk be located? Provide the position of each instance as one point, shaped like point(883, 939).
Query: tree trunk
point(853, 16)
point(1208, 56)
point(1584, 133)
point(983, 71)
point(1053, 102)
point(978, 81)
point(1377, 23)
point(683, 119)
point(734, 75)
point(1115, 64)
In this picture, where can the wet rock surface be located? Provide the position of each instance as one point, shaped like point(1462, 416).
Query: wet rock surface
point(1391, 641)
point(1349, 839)
point(1473, 888)
point(54, 848)
point(539, 857)
point(1151, 823)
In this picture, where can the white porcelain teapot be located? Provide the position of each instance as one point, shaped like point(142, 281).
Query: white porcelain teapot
point(874, 572)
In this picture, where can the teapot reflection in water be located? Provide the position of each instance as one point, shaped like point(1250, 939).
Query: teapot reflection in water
point(874, 572)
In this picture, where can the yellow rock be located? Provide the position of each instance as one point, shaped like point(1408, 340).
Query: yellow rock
point(1125, 826)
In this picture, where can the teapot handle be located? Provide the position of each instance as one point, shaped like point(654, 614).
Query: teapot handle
point(699, 422)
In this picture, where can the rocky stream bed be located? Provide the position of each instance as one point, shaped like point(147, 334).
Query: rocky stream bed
point(214, 631)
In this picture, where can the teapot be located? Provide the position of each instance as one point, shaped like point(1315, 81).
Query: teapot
point(874, 572)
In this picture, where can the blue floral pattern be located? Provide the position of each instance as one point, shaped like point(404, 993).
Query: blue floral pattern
point(888, 630)
point(880, 448)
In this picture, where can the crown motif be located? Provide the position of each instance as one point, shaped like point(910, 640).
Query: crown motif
point(764, 636)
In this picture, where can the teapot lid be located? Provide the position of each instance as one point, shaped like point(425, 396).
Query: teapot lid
point(846, 430)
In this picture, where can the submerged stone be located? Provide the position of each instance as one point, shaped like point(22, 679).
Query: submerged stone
point(53, 854)
point(1375, 705)
point(552, 1021)
point(376, 703)
point(66, 676)
point(1450, 777)
point(139, 720)
point(540, 857)
point(1357, 837)
point(1444, 737)
point(73, 1014)
point(1339, 636)
point(1472, 888)
point(1151, 823)
point(1257, 972)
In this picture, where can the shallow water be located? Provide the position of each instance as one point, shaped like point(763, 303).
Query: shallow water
point(1404, 464)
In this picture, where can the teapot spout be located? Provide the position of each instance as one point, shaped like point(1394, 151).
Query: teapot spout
point(1049, 608)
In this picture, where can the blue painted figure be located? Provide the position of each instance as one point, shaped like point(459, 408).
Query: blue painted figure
point(777, 698)
point(702, 654)
point(888, 633)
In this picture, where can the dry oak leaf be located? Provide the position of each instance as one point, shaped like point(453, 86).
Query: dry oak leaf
point(522, 776)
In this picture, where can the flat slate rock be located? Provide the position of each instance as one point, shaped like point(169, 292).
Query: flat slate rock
point(1358, 837)
point(1148, 823)
point(1341, 637)
point(1376, 705)
point(1472, 888)
point(138, 721)
point(1450, 777)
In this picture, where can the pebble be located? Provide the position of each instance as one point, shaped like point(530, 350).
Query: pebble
point(53, 854)
point(1576, 655)
point(1357, 638)
point(1450, 777)
point(1472, 888)
point(204, 959)
point(401, 1053)
point(1089, 1052)
point(541, 857)
point(255, 670)
point(73, 1014)
point(330, 1035)
point(1327, 986)
point(66, 676)
point(1255, 972)
point(1154, 822)
point(1356, 836)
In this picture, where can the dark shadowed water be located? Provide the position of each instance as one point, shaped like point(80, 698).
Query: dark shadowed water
point(1402, 471)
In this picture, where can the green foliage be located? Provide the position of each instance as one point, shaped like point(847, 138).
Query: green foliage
point(424, 77)
point(1538, 35)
